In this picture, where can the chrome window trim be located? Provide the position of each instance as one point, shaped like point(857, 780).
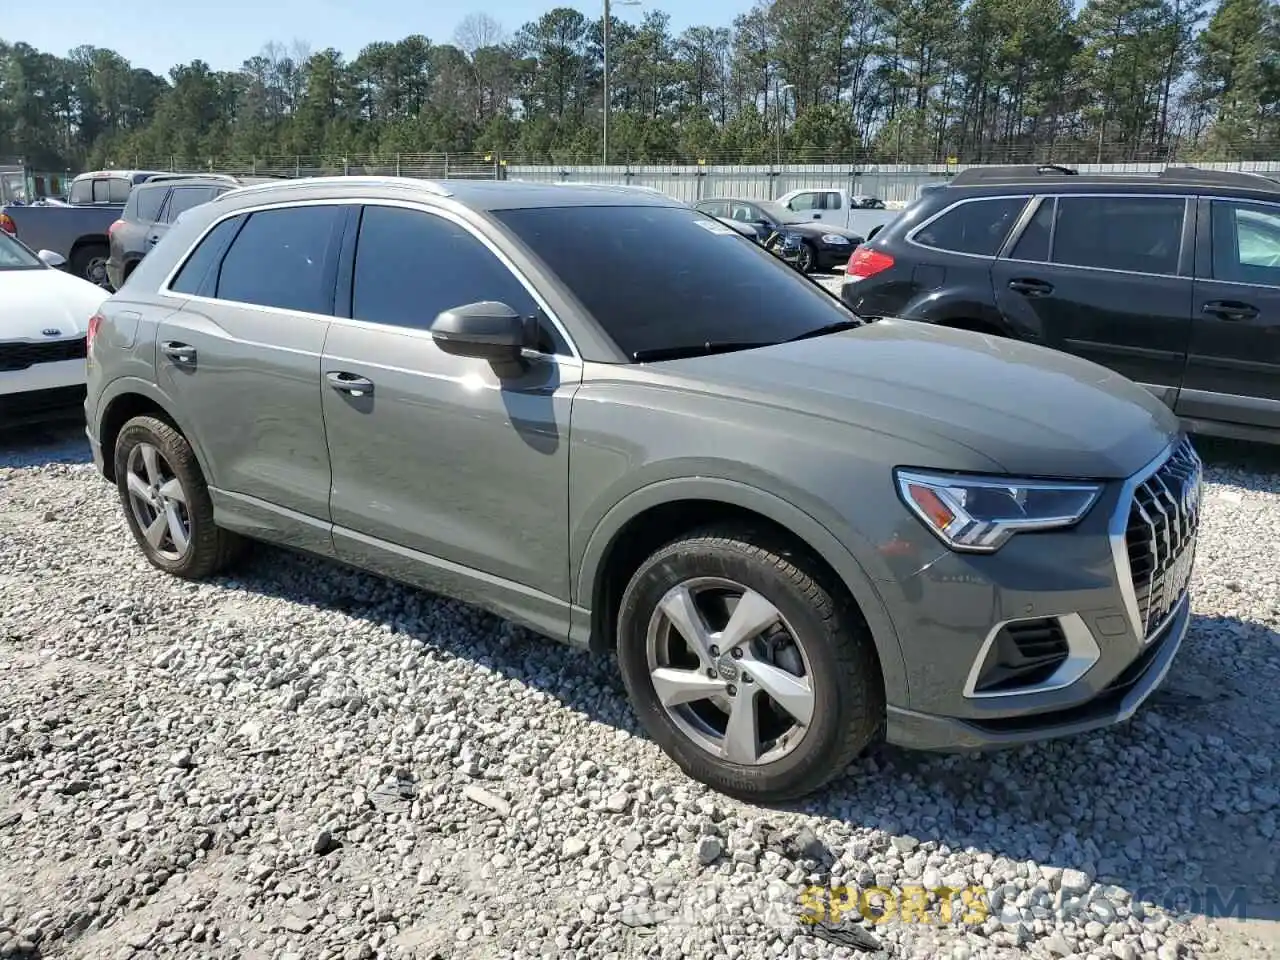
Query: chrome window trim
point(911, 234)
point(1082, 653)
point(575, 356)
point(1186, 198)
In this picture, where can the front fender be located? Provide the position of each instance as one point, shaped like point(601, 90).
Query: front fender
point(785, 514)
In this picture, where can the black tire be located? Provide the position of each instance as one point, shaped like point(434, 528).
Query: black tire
point(211, 549)
point(89, 262)
point(808, 261)
point(848, 688)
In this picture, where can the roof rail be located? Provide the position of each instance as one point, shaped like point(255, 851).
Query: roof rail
point(1224, 178)
point(301, 183)
point(1010, 172)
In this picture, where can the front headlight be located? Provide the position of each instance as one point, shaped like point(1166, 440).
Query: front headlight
point(834, 238)
point(979, 514)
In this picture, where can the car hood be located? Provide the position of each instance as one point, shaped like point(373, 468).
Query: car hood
point(1021, 409)
point(816, 228)
point(35, 301)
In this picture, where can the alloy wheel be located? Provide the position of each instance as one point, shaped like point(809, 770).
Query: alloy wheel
point(729, 671)
point(159, 502)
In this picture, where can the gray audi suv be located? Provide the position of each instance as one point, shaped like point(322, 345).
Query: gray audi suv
point(609, 418)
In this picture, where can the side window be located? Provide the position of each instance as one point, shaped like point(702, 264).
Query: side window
point(976, 227)
point(118, 190)
point(1246, 243)
point(82, 191)
point(832, 200)
point(744, 213)
point(1137, 234)
point(1034, 243)
point(184, 198)
point(196, 276)
point(144, 204)
point(411, 265)
point(280, 259)
point(805, 201)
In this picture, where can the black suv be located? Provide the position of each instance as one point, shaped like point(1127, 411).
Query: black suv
point(1171, 279)
point(152, 207)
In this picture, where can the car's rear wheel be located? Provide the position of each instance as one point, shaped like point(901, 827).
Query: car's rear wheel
point(757, 677)
point(166, 501)
point(90, 262)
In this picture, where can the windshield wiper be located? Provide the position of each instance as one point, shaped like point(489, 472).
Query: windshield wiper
point(696, 350)
point(822, 331)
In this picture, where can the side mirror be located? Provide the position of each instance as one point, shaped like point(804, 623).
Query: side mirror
point(55, 260)
point(487, 330)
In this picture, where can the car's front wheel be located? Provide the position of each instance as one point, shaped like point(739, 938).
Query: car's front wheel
point(166, 501)
point(746, 667)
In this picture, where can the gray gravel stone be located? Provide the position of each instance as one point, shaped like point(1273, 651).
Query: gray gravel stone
point(348, 747)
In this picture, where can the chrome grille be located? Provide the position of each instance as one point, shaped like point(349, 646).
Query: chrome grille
point(1161, 535)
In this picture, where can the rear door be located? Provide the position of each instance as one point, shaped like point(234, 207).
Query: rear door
point(241, 361)
point(1108, 278)
point(1233, 367)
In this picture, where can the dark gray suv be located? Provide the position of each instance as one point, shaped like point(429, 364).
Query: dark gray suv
point(608, 417)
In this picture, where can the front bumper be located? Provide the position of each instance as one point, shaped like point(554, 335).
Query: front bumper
point(42, 392)
point(1109, 598)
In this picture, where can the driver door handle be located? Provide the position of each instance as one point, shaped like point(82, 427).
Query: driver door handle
point(349, 383)
point(178, 352)
point(1231, 310)
point(1031, 287)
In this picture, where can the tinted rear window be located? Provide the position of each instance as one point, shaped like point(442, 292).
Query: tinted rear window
point(659, 277)
point(1138, 234)
point(144, 204)
point(977, 227)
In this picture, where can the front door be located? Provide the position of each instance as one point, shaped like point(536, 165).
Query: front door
point(1233, 370)
point(241, 360)
point(1107, 278)
point(446, 471)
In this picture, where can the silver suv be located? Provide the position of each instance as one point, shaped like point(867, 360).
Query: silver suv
point(611, 418)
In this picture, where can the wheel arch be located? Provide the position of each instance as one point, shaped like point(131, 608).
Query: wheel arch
point(665, 510)
point(129, 398)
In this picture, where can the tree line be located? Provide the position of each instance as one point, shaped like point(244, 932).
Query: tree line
point(818, 80)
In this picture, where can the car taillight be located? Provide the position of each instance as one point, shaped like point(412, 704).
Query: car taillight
point(94, 323)
point(7, 225)
point(112, 229)
point(866, 262)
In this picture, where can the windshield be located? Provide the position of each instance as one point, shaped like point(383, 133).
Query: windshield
point(14, 256)
point(664, 278)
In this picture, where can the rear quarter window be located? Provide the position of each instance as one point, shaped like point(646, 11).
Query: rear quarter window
point(975, 227)
point(144, 204)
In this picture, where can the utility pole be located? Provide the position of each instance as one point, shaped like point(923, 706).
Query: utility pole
point(604, 136)
point(782, 93)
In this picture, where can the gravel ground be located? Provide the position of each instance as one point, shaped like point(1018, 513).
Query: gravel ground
point(306, 762)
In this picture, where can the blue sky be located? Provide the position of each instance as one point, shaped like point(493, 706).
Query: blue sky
point(156, 34)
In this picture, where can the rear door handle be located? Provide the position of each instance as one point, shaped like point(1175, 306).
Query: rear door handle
point(1031, 287)
point(1231, 310)
point(349, 383)
point(178, 352)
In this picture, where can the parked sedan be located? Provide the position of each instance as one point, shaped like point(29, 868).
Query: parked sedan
point(44, 312)
point(819, 247)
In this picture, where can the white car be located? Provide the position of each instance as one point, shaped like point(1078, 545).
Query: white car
point(44, 315)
